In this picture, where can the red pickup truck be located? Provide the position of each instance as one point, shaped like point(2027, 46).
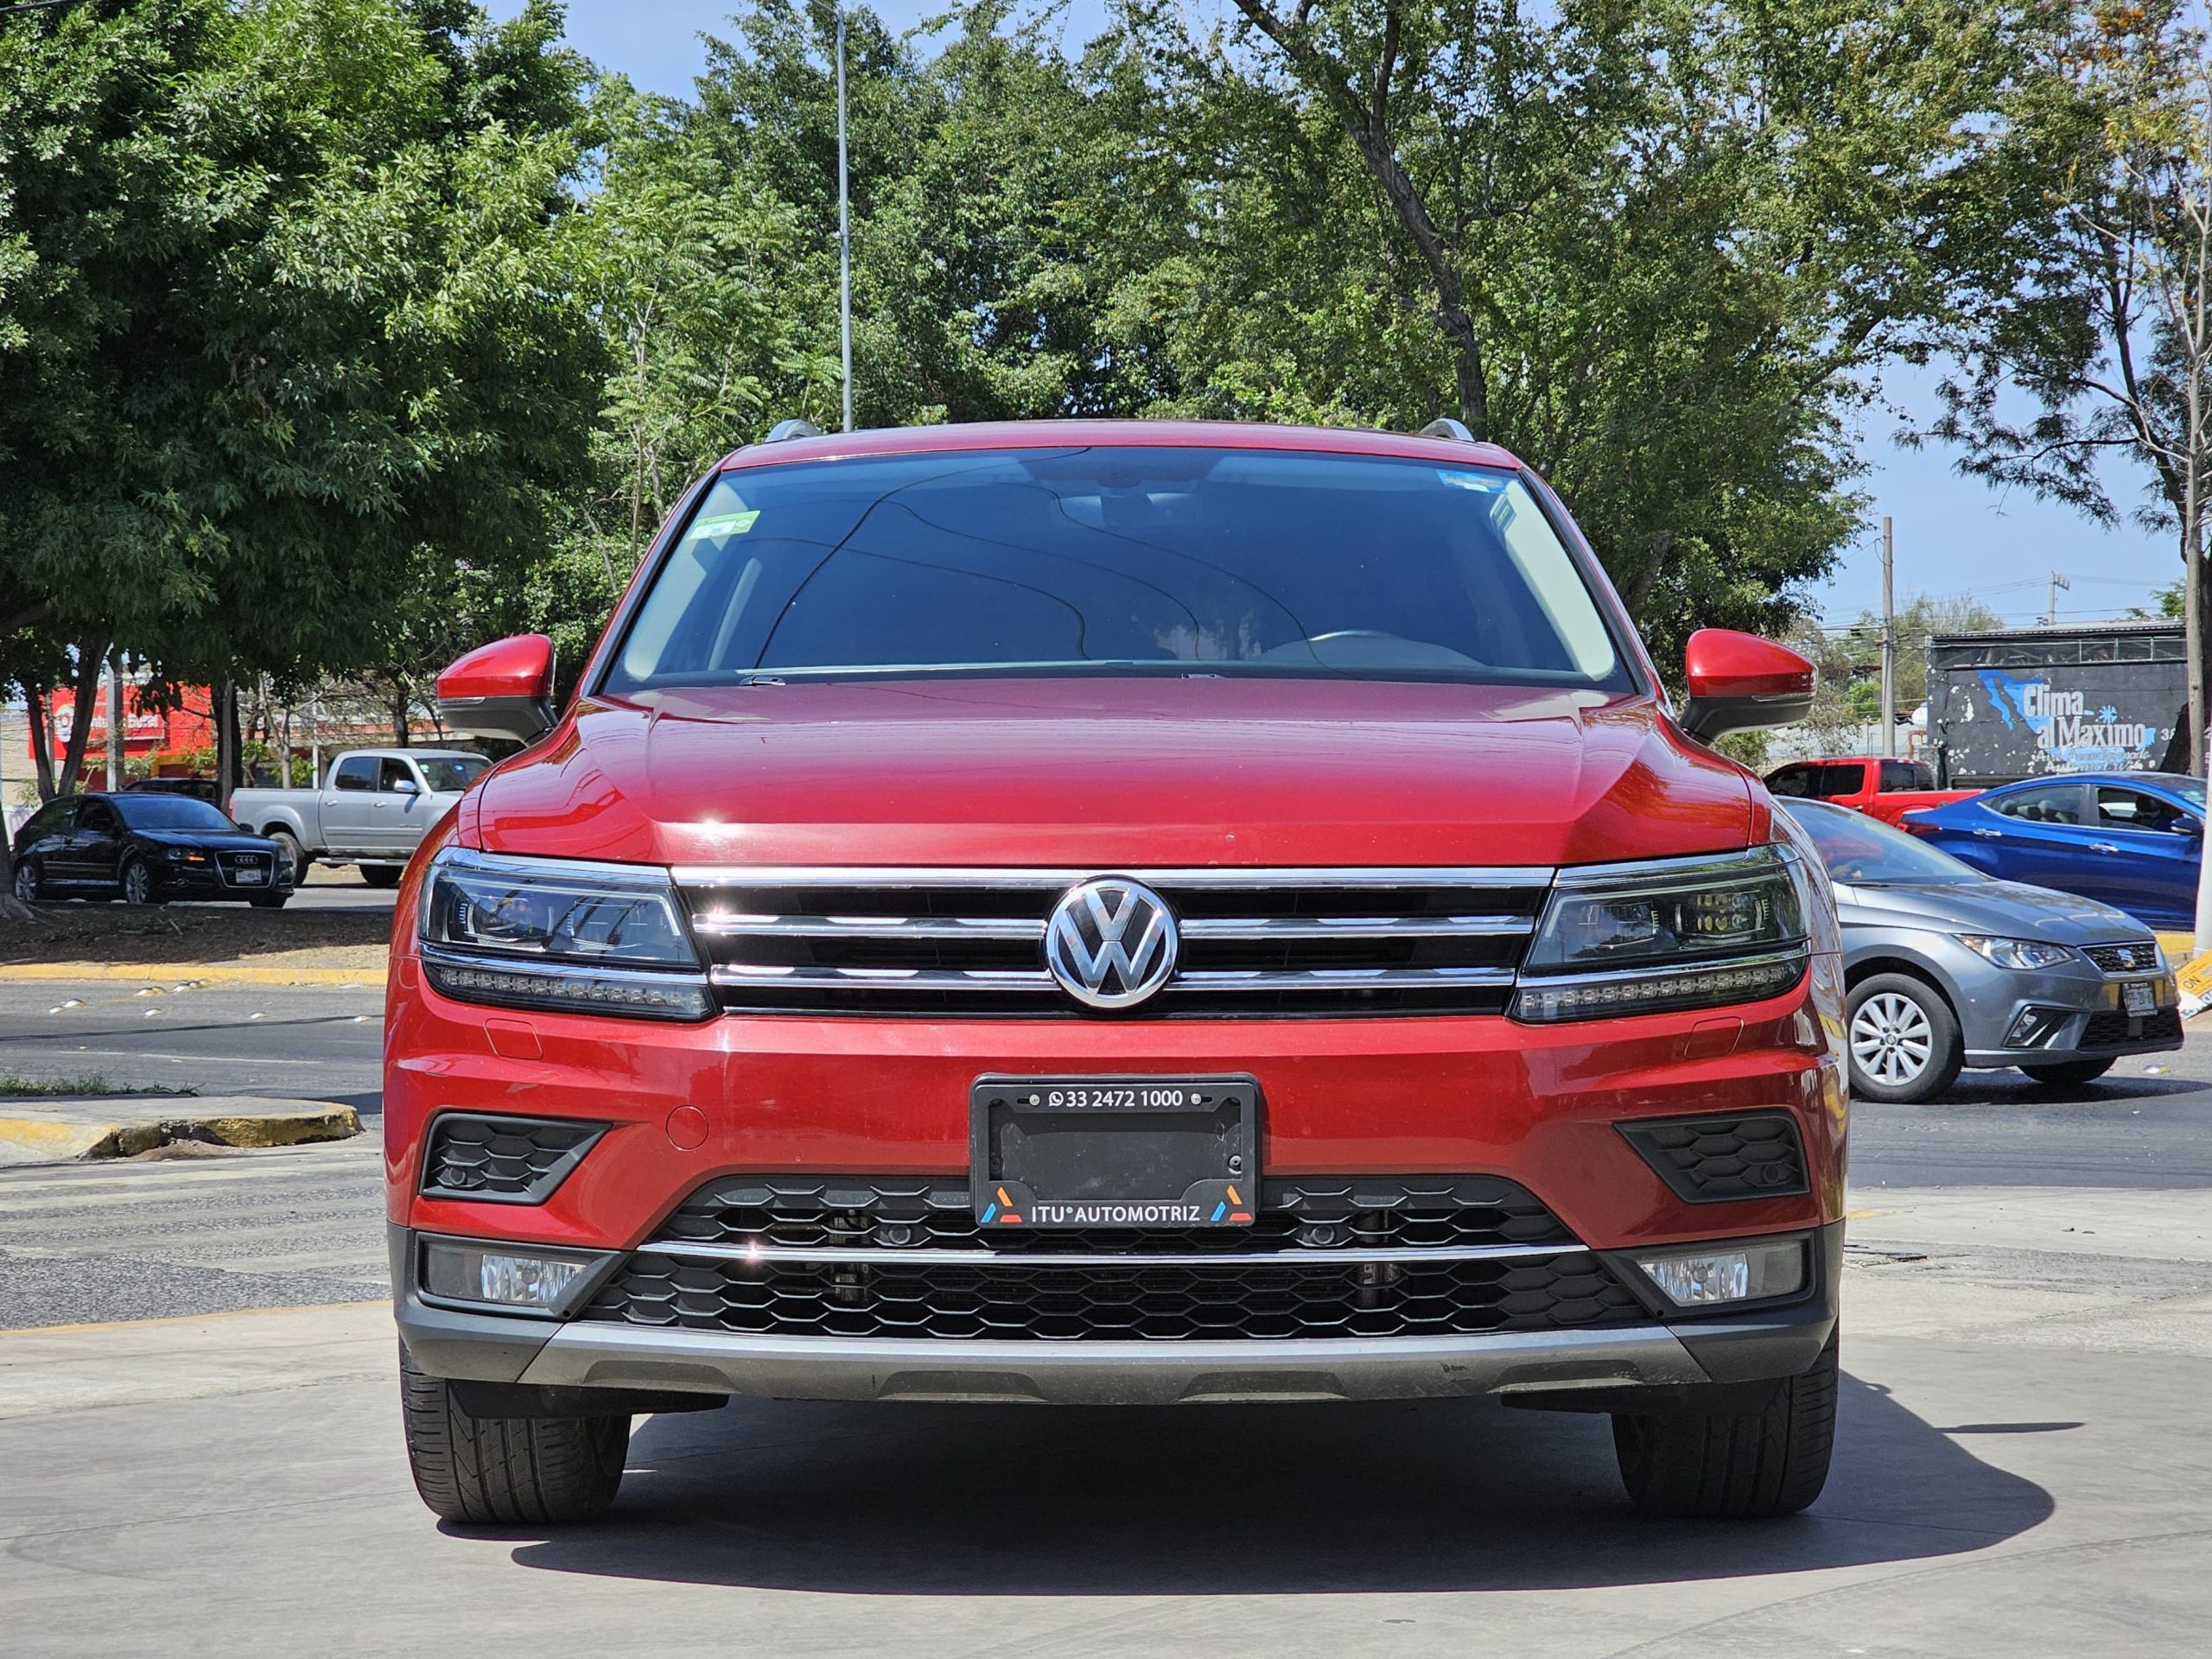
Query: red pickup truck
point(1882, 789)
point(1117, 913)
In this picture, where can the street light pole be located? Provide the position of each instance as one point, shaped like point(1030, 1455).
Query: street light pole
point(2057, 581)
point(1888, 647)
point(844, 232)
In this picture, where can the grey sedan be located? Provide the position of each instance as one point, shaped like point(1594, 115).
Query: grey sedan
point(1947, 968)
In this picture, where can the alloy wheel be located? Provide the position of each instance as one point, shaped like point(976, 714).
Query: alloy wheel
point(1891, 1039)
point(137, 885)
point(27, 882)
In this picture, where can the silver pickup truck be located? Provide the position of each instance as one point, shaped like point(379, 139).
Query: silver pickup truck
point(373, 807)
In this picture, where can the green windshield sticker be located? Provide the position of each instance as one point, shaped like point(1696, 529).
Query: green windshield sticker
point(1488, 483)
point(724, 523)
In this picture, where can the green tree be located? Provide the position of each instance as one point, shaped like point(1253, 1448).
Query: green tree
point(1657, 250)
point(288, 347)
point(2096, 342)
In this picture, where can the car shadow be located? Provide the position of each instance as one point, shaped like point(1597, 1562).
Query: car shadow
point(1421, 1495)
point(2016, 1088)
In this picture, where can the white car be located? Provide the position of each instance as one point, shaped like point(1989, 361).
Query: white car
point(373, 807)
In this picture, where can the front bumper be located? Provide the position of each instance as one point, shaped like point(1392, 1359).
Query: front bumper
point(1608, 1365)
point(203, 882)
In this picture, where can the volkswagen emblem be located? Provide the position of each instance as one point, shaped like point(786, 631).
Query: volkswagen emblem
point(1112, 942)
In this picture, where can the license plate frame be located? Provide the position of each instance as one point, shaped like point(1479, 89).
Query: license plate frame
point(1114, 1151)
point(2139, 997)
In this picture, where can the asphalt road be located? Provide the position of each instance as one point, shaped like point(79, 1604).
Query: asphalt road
point(337, 887)
point(306, 1042)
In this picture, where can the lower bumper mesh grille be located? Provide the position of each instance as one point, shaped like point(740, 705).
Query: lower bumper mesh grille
point(2114, 1029)
point(1352, 1257)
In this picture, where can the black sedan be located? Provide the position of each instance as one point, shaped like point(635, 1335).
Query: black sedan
point(148, 849)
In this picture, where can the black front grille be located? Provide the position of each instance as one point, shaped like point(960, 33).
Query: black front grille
point(245, 860)
point(1253, 942)
point(502, 1160)
point(1309, 1279)
point(1309, 1214)
point(2139, 957)
point(2114, 1029)
point(1063, 1304)
point(1716, 1160)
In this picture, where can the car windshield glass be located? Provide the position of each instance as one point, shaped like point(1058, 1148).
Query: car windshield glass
point(149, 811)
point(1868, 853)
point(1120, 561)
point(2190, 790)
point(450, 774)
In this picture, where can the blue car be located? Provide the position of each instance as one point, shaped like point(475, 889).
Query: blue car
point(2132, 840)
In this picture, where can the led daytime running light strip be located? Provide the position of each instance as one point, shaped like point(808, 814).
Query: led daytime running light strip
point(1588, 997)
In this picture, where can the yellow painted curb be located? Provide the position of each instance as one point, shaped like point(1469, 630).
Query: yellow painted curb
point(194, 973)
point(60, 1141)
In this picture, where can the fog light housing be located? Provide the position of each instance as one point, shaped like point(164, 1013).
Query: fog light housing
point(1717, 1275)
point(521, 1278)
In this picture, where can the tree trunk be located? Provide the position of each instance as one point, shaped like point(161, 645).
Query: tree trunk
point(226, 741)
point(41, 741)
point(89, 658)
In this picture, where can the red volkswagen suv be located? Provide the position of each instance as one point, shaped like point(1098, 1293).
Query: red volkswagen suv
point(1116, 912)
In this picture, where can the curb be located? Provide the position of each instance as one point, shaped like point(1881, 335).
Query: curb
point(195, 973)
point(60, 1138)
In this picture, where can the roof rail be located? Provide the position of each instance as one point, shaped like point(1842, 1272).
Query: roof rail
point(791, 428)
point(1445, 427)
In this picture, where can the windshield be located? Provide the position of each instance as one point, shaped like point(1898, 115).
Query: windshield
point(1120, 561)
point(452, 773)
point(149, 811)
point(1868, 853)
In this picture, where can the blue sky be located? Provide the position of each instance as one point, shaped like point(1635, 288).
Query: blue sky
point(1953, 535)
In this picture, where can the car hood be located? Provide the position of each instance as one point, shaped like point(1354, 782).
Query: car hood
point(2009, 909)
point(211, 841)
point(1115, 774)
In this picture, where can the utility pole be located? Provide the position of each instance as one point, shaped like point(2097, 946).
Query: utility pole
point(115, 727)
point(2051, 612)
point(844, 232)
point(1889, 645)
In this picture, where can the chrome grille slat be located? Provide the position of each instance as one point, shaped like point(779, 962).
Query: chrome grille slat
point(845, 927)
point(1330, 979)
point(958, 979)
point(1293, 942)
point(1360, 927)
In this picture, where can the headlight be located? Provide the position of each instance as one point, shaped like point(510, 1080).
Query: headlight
point(1671, 933)
point(2015, 953)
point(560, 934)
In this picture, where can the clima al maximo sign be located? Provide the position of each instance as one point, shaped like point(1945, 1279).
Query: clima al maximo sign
point(2098, 717)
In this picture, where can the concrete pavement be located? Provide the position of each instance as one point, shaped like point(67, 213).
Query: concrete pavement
point(2023, 1468)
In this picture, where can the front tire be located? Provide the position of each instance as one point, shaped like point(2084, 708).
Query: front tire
point(138, 884)
point(382, 875)
point(289, 848)
point(1904, 1041)
point(268, 901)
point(2068, 1074)
point(507, 1470)
point(28, 883)
point(1735, 1465)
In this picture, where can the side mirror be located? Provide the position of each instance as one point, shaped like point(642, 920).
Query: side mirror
point(502, 689)
point(1740, 682)
point(407, 786)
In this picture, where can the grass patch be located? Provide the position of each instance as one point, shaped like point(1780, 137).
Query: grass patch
point(88, 1083)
